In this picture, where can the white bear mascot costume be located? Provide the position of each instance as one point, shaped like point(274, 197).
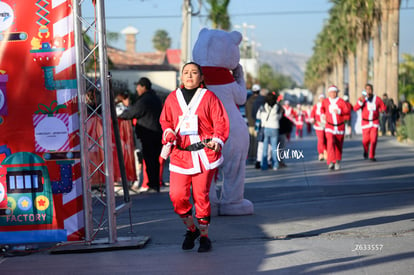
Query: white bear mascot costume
point(217, 52)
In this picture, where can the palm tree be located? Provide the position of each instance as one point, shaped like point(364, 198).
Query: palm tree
point(353, 24)
point(393, 42)
point(343, 11)
point(89, 45)
point(406, 76)
point(219, 15)
point(364, 13)
point(161, 40)
point(338, 34)
point(376, 43)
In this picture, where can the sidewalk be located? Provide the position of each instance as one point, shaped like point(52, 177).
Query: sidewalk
point(307, 220)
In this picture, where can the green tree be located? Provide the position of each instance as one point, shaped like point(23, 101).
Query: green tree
point(161, 40)
point(218, 14)
point(90, 43)
point(406, 77)
point(272, 80)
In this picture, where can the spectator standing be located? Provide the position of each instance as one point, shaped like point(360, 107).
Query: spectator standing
point(257, 104)
point(385, 116)
point(285, 126)
point(250, 109)
point(394, 116)
point(196, 125)
point(251, 120)
point(269, 116)
point(335, 110)
point(371, 106)
point(146, 110)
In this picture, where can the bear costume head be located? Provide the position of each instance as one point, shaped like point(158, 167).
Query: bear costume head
point(217, 48)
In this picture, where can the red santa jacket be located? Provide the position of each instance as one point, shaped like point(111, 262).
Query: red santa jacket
point(348, 117)
point(370, 111)
point(290, 113)
point(315, 115)
point(335, 111)
point(213, 123)
point(300, 118)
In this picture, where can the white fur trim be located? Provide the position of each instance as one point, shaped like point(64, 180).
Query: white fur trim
point(168, 130)
point(219, 141)
point(334, 131)
point(332, 89)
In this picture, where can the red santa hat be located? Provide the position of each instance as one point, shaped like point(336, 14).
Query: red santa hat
point(332, 88)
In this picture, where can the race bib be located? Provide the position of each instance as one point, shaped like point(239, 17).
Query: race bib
point(371, 106)
point(189, 125)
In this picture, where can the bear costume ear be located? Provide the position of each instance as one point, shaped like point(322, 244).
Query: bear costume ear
point(236, 37)
point(203, 30)
point(199, 46)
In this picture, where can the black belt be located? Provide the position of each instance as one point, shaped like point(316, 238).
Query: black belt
point(368, 119)
point(335, 124)
point(195, 146)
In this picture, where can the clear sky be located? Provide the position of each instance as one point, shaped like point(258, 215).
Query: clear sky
point(274, 25)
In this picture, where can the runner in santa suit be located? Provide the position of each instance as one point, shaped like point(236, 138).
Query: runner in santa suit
point(198, 139)
point(308, 110)
point(319, 126)
point(335, 110)
point(299, 121)
point(371, 106)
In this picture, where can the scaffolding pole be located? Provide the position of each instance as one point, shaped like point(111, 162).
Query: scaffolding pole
point(100, 84)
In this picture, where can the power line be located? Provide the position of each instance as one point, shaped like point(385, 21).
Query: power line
point(303, 12)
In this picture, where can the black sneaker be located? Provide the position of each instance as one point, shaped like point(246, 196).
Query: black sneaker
point(257, 165)
point(205, 244)
point(190, 237)
point(365, 155)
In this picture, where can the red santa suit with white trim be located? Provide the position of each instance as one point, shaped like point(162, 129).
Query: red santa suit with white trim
point(196, 167)
point(319, 126)
point(300, 118)
point(335, 110)
point(371, 106)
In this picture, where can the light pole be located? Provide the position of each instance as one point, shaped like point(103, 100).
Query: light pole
point(187, 13)
point(244, 28)
point(186, 31)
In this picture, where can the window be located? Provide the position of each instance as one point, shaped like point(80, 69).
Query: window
point(24, 181)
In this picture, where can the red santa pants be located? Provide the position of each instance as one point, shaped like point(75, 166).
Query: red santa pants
point(334, 145)
point(320, 134)
point(180, 192)
point(299, 130)
point(369, 137)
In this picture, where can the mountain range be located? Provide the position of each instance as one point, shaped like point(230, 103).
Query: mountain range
point(284, 62)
